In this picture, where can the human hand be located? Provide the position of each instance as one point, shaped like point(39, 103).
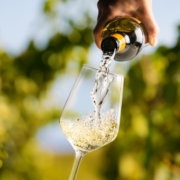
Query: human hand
point(140, 9)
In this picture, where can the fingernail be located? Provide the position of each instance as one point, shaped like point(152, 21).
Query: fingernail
point(153, 41)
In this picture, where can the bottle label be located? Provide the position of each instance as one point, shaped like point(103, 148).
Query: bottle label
point(121, 40)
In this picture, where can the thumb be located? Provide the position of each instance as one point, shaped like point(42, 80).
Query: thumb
point(151, 26)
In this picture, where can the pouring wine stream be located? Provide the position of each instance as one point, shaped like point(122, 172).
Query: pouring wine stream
point(102, 82)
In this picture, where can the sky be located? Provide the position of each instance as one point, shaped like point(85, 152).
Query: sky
point(20, 21)
point(17, 19)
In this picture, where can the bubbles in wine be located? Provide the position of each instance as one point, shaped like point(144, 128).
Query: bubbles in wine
point(91, 133)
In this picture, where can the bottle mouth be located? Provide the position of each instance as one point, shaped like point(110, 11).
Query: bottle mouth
point(110, 44)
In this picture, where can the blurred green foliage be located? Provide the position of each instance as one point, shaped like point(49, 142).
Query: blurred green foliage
point(148, 144)
point(24, 84)
point(148, 147)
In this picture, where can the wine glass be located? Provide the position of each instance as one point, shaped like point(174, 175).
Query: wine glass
point(91, 115)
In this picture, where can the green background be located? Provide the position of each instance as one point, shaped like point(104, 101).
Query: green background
point(148, 143)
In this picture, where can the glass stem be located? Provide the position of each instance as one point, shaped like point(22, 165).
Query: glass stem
point(77, 161)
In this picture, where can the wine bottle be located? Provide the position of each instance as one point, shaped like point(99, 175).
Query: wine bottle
point(125, 36)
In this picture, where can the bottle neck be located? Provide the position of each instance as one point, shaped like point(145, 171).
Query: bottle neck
point(113, 42)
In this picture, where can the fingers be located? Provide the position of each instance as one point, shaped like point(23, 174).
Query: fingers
point(146, 16)
point(106, 12)
point(98, 30)
point(141, 9)
point(104, 15)
point(152, 30)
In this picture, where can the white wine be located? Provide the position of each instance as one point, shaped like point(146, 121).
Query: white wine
point(127, 36)
point(97, 129)
point(90, 133)
point(103, 81)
